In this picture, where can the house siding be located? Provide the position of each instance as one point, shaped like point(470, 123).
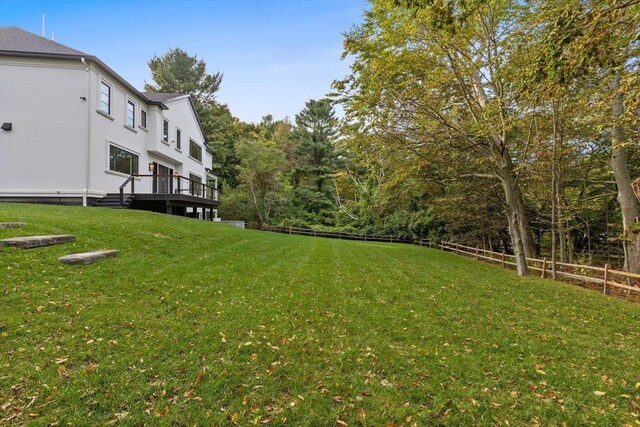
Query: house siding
point(42, 99)
point(59, 145)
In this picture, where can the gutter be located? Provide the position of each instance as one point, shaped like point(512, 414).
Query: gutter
point(87, 99)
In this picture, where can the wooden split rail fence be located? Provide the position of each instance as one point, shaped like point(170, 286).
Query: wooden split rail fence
point(333, 234)
point(606, 276)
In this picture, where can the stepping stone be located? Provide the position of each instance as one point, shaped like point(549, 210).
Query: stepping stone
point(37, 241)
point(12, 224)
point(85, 258)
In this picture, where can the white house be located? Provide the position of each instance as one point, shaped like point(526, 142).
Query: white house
point(73, 131)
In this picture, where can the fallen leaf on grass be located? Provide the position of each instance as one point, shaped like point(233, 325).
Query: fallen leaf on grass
point(6, 405)
point(599, 393)
point(60, 360)
point(198, 378)
point(341, 423)
point(40, 308)
point(91, 368)
point(62, 371)
point(363, 414)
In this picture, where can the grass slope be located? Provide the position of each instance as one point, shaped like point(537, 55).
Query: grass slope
point(200, 323)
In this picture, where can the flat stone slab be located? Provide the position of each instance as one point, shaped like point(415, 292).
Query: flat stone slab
point(88, 257)
point(37, 241)
point(12, 224)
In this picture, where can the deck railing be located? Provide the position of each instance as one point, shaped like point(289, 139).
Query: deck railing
point(169, 184)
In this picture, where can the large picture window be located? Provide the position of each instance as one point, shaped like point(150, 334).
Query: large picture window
point(195, 150)
point(105, 97)
point(122, 161)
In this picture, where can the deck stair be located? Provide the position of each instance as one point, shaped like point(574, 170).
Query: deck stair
point(112, 200)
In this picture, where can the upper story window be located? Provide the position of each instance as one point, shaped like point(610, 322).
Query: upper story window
point(178, 139)
point(165, 130)
point(122, 160)
point(143, 118)
point(131, 113)
point(195, 150)
point(105, 97)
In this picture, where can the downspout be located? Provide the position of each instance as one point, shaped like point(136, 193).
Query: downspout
point(88, 160)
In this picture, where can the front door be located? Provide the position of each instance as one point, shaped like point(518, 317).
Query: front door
point(162, 178)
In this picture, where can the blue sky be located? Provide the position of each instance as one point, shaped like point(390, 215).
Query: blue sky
point(274, 54)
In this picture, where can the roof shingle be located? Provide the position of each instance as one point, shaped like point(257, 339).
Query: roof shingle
point(15, 39)
point(161, 97)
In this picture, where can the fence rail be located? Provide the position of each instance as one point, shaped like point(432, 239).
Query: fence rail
point(332, 234)
point(606, 276)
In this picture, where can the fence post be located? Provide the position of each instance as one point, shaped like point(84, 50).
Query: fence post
point(477, 251)
point(544, 266)
point(606, 289)
point(502, 259)
point(290, 230)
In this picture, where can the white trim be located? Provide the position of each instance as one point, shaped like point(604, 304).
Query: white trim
point(103, 114)
point(49, 193)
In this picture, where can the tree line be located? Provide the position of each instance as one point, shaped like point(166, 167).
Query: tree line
point(512, 125)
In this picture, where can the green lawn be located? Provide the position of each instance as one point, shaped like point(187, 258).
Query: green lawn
point(201, 323)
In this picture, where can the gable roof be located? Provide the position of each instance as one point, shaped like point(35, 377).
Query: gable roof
point(170, 97)
point(15, 41)
point(18, 40)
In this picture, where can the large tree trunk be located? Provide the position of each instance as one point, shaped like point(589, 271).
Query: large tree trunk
point(525, 230)
point(513, 211)
point(626, 197)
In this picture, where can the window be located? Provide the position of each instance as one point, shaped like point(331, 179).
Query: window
point(195, 150)
point(122, 161)
point(165, 130)
point(195, 185)
point(131, 114)
point(178, 139)
point(143, 118)
point(105, 97)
